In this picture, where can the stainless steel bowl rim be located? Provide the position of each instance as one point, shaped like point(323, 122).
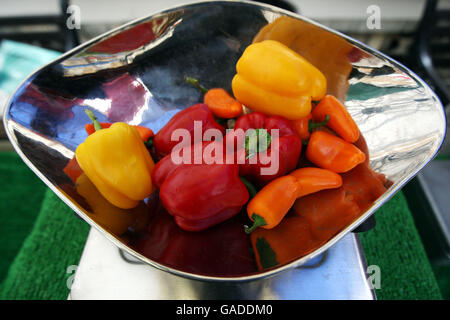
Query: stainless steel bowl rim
point(200, 277)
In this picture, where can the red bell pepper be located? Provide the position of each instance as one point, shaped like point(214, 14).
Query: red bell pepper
point(166, 165)
point(184, 120)
point(288, 147)
point(202, 195)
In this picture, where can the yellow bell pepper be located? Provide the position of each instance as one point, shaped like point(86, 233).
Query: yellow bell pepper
point(118, 164)
point(273, 79)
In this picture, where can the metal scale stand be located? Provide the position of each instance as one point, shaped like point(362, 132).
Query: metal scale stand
point(104, 272)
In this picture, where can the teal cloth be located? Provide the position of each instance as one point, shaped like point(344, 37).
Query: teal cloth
point(18, 60)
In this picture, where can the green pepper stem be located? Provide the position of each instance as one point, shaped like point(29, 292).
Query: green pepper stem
point(221, 121)
point(250, 187)
point(149, 143)
point(94, 120)
point(252, 143)
point(314, 125)
point(195, 83)
point(258, 221)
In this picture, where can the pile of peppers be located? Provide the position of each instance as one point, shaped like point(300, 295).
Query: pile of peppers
point(274, 88)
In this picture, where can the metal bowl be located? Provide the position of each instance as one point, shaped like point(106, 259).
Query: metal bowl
point(135, 74)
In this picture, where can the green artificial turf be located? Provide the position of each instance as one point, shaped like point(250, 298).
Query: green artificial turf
point(56, 239)
point(442, 272)
point(395, 246)
point(20, 201)
point(41, 269)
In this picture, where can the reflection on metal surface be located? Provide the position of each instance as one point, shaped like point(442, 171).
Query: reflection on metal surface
point(115, 220)
point(104, 274)
point(133, 42)
point(316, 44)
point(388, 81)
point(129, 258)
point(222, 250)
point(312, 264)
point(401, 119)
point(315, 264)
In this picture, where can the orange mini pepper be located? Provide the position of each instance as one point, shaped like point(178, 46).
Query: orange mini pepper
point(302, 127)
point(144, 132)
point(340, 119)
point(218, 100)
point(221, 104)
point(90, 129)
point(315, 179)
point(333, 153)
point(272, 202)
